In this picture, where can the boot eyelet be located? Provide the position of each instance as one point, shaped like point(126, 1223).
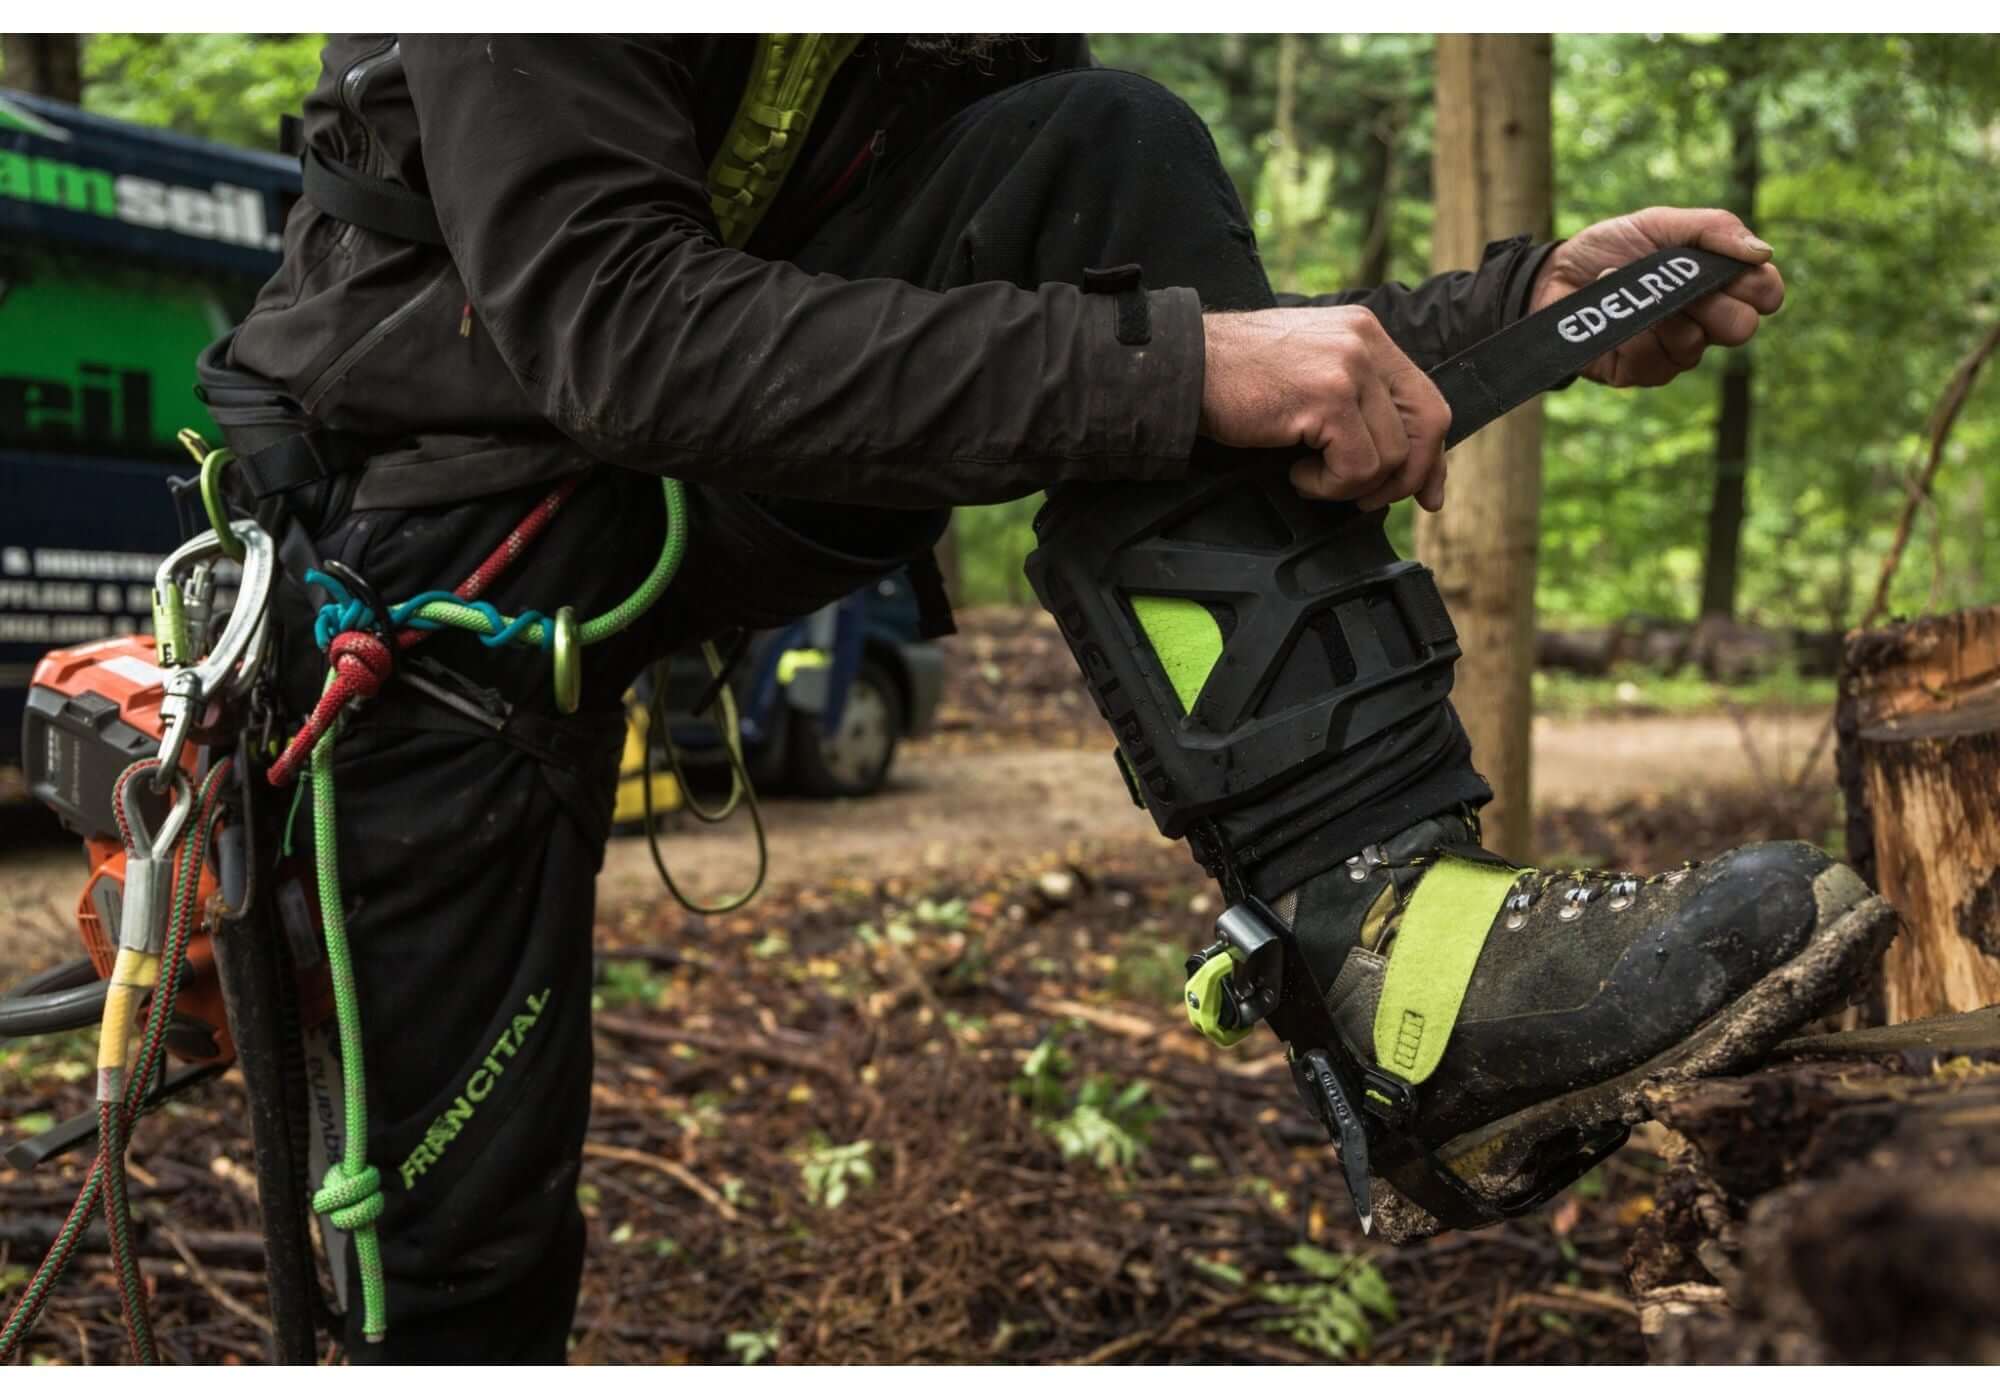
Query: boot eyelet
point(1674, 878)
point(1623, 893)
point(1573, 904)
point(1517, 922)
point(1517, 910)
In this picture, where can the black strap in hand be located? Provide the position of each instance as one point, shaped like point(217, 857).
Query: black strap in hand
point(1559, 342)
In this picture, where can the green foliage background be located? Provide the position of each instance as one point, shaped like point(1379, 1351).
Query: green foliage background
point(1881, 192)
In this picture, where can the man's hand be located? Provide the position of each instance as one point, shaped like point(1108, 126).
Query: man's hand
point(1369, 425)
point(1728, 317)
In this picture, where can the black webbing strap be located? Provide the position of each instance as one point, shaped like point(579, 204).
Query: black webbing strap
point(298, 460)
point(1560, 341)
point(380, 206)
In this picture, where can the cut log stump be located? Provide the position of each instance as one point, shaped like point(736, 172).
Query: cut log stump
point(1840, 1205)
point(1919, 724)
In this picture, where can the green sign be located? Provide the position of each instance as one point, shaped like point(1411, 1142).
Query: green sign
point(102, 362)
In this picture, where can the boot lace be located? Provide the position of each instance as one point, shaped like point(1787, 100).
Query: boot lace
point(1580, 888)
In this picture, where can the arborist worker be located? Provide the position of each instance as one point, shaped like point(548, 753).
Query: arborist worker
point(838, 285)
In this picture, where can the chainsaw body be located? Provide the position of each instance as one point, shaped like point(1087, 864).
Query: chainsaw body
point(92, 711)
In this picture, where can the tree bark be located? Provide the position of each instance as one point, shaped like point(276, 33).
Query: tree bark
point(1732, 427)
point(1840, 1206)
point(1493, 173)
point(47, 65)
point(1289, 168)
point(1383, 163)
point(1919, 722)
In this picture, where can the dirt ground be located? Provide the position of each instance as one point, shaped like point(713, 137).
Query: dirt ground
point(951, 802)
point(933, 1097)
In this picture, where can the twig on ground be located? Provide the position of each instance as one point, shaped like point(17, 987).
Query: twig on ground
point(1165, 1331)
point(666, 1167)
point(206, 1282)
point(1563, 1297)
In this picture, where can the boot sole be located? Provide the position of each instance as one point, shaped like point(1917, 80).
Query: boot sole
point(1832, 968)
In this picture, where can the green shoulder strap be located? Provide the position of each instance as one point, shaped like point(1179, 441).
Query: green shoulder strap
point(1430, 965)
point(789, 77)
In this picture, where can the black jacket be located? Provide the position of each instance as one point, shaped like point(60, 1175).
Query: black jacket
point(585, 311)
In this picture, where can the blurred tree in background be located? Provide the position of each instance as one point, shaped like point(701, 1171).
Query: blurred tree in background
point(1872, 162)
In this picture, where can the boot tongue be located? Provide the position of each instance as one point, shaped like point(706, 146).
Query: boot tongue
point(1354, 904)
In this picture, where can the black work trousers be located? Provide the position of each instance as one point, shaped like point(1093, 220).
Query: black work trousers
point(469, 858)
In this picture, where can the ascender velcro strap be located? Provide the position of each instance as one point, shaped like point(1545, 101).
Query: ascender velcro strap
point(1437, 946)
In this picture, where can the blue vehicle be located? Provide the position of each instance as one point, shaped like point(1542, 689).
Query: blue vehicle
point(822, 704)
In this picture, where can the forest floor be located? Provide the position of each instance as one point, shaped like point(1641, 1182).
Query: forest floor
point(932, 1098)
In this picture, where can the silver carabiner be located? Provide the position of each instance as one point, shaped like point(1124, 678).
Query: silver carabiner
point(229, 667)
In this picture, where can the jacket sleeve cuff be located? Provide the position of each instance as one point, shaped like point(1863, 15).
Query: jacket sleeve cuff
point(1155, 403)
point(1528, 260)
point(1181, 348)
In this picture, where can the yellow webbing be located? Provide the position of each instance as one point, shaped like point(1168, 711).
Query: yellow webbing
point(789, 78)
point(1431, 962)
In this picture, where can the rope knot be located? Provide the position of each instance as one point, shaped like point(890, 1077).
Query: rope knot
point(350, 1201)
point(363, 659)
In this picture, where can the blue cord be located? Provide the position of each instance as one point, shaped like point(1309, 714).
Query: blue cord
point(346, 613)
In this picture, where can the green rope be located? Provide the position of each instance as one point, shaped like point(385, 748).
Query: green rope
point(351, 1193)
point(605, 624)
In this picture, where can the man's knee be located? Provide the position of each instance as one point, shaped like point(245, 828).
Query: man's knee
point(1110, 106)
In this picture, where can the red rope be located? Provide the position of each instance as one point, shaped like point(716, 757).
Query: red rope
point(362, 662)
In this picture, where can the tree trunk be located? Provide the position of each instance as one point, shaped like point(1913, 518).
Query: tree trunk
point(47, 65)
point(1841, 1206)
point(1493, 175)
point(1288, 169)
point(1732, 427)
point(1383, 165)
point(1919, 722)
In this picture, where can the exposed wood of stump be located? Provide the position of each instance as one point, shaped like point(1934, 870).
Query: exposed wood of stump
point(1842, 1205)
point(1919, 723)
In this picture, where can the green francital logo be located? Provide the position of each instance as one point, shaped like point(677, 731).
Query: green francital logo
point(478, 1086)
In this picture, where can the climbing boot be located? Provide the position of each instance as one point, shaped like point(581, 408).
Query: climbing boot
point(1479, 1034)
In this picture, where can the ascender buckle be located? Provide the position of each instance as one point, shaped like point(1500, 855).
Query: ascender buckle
point(1235, 981)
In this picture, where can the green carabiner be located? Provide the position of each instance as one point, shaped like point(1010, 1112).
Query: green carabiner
point(213, 460)
point(568, 662)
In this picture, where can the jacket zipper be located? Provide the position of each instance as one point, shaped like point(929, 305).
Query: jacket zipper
point(376, 334)
point(354, 82)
